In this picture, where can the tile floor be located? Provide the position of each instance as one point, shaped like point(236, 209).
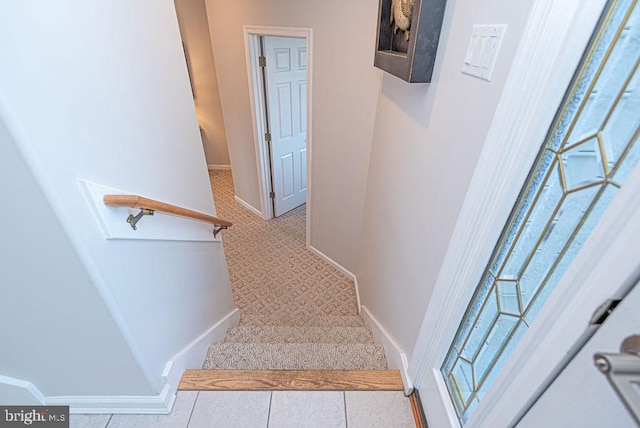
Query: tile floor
point(266, 409)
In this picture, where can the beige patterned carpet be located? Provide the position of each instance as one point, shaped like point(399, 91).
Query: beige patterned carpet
point(272, 272)
point(297, 312)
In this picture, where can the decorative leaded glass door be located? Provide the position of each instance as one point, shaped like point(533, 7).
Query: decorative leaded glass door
point(590, 151)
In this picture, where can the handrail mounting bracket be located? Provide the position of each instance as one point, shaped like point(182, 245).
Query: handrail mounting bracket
point(133, 220)
point(217, 230)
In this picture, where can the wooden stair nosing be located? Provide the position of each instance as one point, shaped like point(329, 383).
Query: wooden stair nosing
point(291, 380)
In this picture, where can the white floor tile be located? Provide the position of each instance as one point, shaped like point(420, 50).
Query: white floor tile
point(178, 418)
point(88, 421)
point(230, 409)
point(309, 409)
point(378, 409)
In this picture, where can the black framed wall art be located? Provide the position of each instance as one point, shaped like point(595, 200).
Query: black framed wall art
point(407, 37)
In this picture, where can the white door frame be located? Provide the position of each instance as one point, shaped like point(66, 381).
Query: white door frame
point(252, 34)
point(554, 39)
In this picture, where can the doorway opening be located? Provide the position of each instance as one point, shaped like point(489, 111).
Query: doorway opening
point(279, 64)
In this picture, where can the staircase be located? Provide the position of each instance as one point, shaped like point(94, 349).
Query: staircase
point(328, 353)
point(299, 327)
point(298, 343)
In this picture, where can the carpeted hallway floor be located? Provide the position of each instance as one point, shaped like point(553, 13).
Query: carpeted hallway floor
point(272, 272)
point(297, 312)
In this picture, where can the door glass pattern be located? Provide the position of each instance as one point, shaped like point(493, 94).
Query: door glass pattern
point(590, 150)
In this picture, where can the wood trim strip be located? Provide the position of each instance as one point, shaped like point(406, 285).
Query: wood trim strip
point(416, 408)
point(135, 201)
point(290, 380)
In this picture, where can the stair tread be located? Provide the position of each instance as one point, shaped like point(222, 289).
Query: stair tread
point(287, 334)
point(295, 356)
point(320, 380)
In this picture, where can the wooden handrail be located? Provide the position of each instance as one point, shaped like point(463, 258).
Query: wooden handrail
point(151, 205)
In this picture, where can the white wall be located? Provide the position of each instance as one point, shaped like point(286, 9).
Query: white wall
point(194, 29)
point(100, 91)
point(55, 328)
point(345, 89)
point(425, 147)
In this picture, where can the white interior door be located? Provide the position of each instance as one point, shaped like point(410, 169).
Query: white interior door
point(286, 87)
point(581, 396)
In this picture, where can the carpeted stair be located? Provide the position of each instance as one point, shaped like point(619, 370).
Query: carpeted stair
point(298, 312)
point(297, 343)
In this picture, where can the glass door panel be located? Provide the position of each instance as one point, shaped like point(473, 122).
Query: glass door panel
point(590, 150)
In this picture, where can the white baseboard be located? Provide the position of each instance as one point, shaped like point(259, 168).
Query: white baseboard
point(219, 167)
point(355, 284)
point(120, 404)
point(396, 357)
point(346, 272)
point(19, 392)
point(247, 206)
point(193, 355)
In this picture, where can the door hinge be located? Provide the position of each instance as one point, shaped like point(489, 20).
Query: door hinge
point(262, 61)
point(267, 136)
point(603, 311)
point(272, 195)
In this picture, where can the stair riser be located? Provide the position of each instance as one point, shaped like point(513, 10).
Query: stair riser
point(237, 356)
point(274, 334)
point(325, 321)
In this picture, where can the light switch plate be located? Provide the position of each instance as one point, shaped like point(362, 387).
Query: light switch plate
point(483, 50)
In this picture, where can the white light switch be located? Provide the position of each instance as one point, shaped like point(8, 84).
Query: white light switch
point(483, 50)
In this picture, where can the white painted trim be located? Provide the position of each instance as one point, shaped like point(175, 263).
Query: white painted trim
point(160, 404)
point(432, 392)
point(258, 120)
point(343, 270)
point(450, 412)
point(248, 206)
point(310, 57)
point(256, 97)
point(193, 355)
point(396, 357)
point(355, 285)
point(23, 384)
point(215, 167)
point(299, 32)
point(549, 52)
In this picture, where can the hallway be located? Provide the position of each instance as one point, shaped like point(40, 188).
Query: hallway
point(271, 271)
